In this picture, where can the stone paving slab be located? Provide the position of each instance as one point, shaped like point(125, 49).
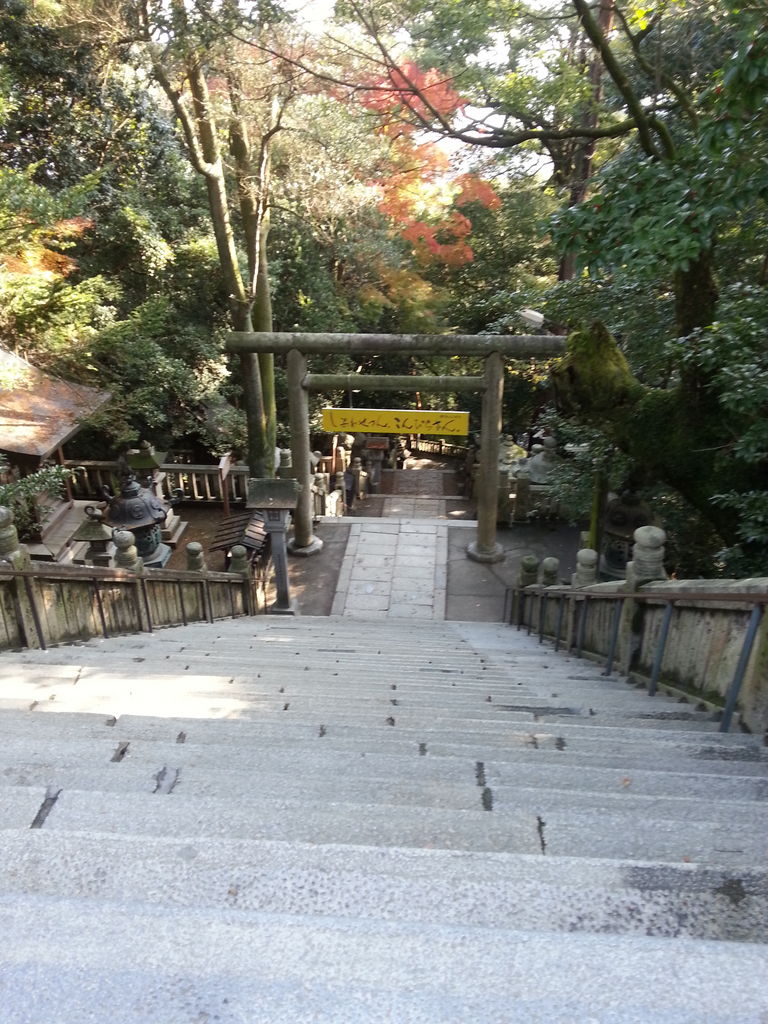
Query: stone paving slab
point(374, 562)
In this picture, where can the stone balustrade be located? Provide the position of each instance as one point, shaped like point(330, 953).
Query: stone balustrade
point(702, 641)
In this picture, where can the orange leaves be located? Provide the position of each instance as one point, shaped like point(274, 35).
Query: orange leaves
point(418, 193)
point(444, 242)
point(475, 190)
point(427, 94)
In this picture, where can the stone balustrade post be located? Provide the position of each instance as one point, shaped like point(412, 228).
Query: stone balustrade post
point(238, 561)
point(25, 591)
point(527, 576)
point(585, 576)
point(646, 566)
point(196, 557)
point(240, 564)
point(586, 568)
point(285, 469)
point(529, 571)
point(550, 568)
point(126, 555)
point(11, 550)
point(648, 551)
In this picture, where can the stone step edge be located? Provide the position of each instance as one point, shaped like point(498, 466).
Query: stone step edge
point(588, 872)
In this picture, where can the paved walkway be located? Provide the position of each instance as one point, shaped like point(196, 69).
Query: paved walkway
point(396, 568)
point(409, 560)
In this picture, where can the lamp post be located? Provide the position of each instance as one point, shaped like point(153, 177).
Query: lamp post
point(276, 499)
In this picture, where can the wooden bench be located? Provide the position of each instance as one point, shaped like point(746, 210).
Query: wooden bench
point(246, 528)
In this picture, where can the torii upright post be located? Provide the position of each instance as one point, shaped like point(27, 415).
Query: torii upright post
point(492, 347)
point(303, 541)
point(486, 548)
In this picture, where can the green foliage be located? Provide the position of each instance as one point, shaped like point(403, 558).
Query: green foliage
point(160, 370)
point(29, 497)
point(29, 210)
point(511, 257)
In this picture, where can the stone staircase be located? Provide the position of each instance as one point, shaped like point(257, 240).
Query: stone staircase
point(322, 820)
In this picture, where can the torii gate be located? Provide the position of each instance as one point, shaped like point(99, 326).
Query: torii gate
point(493, 348)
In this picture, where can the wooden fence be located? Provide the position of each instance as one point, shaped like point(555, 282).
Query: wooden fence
point(48, 604)
point(225, 483)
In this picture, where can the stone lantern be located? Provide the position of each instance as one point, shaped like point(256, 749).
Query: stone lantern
point(139, 510)
point(98, 535)
point(145, 462)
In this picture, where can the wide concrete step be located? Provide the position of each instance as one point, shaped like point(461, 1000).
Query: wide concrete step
point(316, 759)
point(202, 808)
point(233, 814)
point(35, 728)
point(50, 717)
point(178, 965)
point(492, 890)
point(419, 779)
point(119, 693)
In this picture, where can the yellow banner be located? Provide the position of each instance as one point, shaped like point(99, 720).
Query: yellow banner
point(395, 421)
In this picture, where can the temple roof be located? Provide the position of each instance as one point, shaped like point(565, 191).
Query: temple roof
point(38, 413)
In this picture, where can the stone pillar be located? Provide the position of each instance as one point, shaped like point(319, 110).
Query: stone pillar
point(586, 568)
point(303, 541)
point(550, 568)
point(195, 557)
point(523, 496)
point(486, 548)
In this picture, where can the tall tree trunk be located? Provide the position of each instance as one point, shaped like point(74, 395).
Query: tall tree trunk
point(695, 295)
point(253, 172)
point(585, 152)
point(200, 131)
